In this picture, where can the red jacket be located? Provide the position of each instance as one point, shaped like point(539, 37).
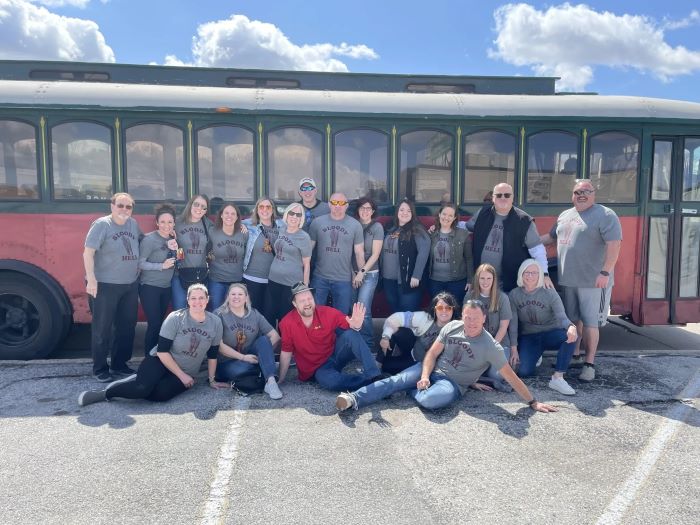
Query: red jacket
point(311, 346)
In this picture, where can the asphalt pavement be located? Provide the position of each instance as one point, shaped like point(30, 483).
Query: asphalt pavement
point(624, 449)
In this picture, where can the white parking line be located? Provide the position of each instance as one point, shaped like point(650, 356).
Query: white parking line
point(674, 416)
point(216, 504)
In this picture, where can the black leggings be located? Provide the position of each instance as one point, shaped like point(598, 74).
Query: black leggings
point(256, 292)
point(155, 302)
point(278, 302)
point(153, 382)
point(405, 340)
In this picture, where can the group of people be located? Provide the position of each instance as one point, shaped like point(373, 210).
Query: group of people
point(239, 288)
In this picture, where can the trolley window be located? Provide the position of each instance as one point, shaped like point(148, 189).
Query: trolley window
point(489, 158)
point(155, 167)
point(426, 166)
point(292, 154)
point(691, 170)
point(362, 164)
point(552, 166)
point(81, 161)
point(19, 173)
point(226, 162)
point(613, 166)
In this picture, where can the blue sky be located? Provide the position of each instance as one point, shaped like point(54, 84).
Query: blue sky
point(638, 48)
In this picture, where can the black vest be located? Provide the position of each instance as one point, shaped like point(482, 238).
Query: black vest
point(515, 227)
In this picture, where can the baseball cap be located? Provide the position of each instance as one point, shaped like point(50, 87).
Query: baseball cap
point(307, 181)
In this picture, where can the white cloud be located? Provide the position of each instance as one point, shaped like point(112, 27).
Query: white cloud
point(82, 4)
point(30, 32)
point(569, 40)
point(244, 43)
point(692, 19)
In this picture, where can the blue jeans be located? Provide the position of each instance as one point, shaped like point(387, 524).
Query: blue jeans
point(365, 295)
point(217, 294)
point(456, 288)
point(442, 392)
point(235, 368)
point(532, 346)
point(179, 293)
point(400, 301)
point(340, 291)
point(348, 346)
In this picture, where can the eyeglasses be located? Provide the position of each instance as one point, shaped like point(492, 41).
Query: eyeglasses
point(365, 208)
point(503, 195)
point(583, 192)
point(307, 188)
point(531, 274)
point(443, 308)
point(199, 205)
point(338, 203)
point(264, 206)
point(295, 214)
point(122, 206)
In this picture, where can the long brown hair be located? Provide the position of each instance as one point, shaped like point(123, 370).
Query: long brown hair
point(255, 218)
point(495, 291)
point(187, 212)
point(220, 222)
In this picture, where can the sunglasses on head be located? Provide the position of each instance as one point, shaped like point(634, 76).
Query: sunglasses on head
point(338, 203)
point(295, 214)
point(583, 192)
point(122, 206)
point(503, 195)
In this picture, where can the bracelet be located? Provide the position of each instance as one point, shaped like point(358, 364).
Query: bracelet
point(604, 273)
point(212, 379)
point(362, 270)
point(531, 402)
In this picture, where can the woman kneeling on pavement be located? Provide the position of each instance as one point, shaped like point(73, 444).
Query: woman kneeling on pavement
point(406, 336)
point(542, 325)
point(186, 338)
point(248, 341)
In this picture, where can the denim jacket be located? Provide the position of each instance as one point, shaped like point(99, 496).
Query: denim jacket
point(253, 233)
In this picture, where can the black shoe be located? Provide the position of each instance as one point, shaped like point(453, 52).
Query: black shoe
point(122, 371)
point(91, 396)
point(104, 377)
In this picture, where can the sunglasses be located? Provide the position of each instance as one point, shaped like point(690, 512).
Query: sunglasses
point(295, 214)
point(338, 203)
point(307, 188)
point(264, 206)
point(583, 192)
point(443, 308)
point(503, 195)
point(199, 205)
point(127, 206)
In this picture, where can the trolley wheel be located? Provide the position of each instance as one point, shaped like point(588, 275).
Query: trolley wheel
point(31, 325)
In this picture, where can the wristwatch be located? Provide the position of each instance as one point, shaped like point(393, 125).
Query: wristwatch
point(531, 402)
point(603, 272)
point(546, 274)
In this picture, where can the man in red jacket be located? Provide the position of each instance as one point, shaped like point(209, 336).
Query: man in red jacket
point(323, 341)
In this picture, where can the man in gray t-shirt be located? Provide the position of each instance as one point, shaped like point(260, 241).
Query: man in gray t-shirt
point(336, 237)
point(462, 352)
point(588, 237)
point(111, 258)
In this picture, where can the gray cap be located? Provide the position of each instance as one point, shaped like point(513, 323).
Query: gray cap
point(300, 287)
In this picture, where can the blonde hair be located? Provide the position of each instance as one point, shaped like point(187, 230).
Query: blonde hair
point(291, 207)
point(224, 308)
point(197, 286)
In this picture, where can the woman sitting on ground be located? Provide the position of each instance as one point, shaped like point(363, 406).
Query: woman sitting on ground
point(248, 341)
point(543, 325)
point(187, 337)
point(406, 336)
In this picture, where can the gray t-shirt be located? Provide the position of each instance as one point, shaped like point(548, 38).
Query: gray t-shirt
point(290, 248)
point(390, 256)
point(152, 252)
point(503, 313)
point(191, 339)
point(581, 247)
point(229, 251)
point(465, 358)
point(538, 311)
point(335, 246)
point(192, 238)
point(441, 254)
point(116, 250)
point(241, 332)
point(373, 232)
point(319, 209)
point(262, 255)
point(493, 248)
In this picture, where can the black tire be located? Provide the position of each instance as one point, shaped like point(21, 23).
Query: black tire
point(31, 323)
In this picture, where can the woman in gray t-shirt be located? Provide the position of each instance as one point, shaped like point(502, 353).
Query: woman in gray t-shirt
point(248, 341)
point(543, 325)
point(291, 263)
point(187, 337)
point(228, 244)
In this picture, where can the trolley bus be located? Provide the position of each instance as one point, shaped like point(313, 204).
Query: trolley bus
point(72, 134)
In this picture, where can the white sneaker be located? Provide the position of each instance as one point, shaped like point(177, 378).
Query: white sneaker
point(539, 362)
point(560, 385)
point(344, 401)
point(273, 390)
point(587, 372)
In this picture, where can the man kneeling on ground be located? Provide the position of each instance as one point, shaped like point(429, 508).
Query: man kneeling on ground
point(309, 332)
point(463, 351)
